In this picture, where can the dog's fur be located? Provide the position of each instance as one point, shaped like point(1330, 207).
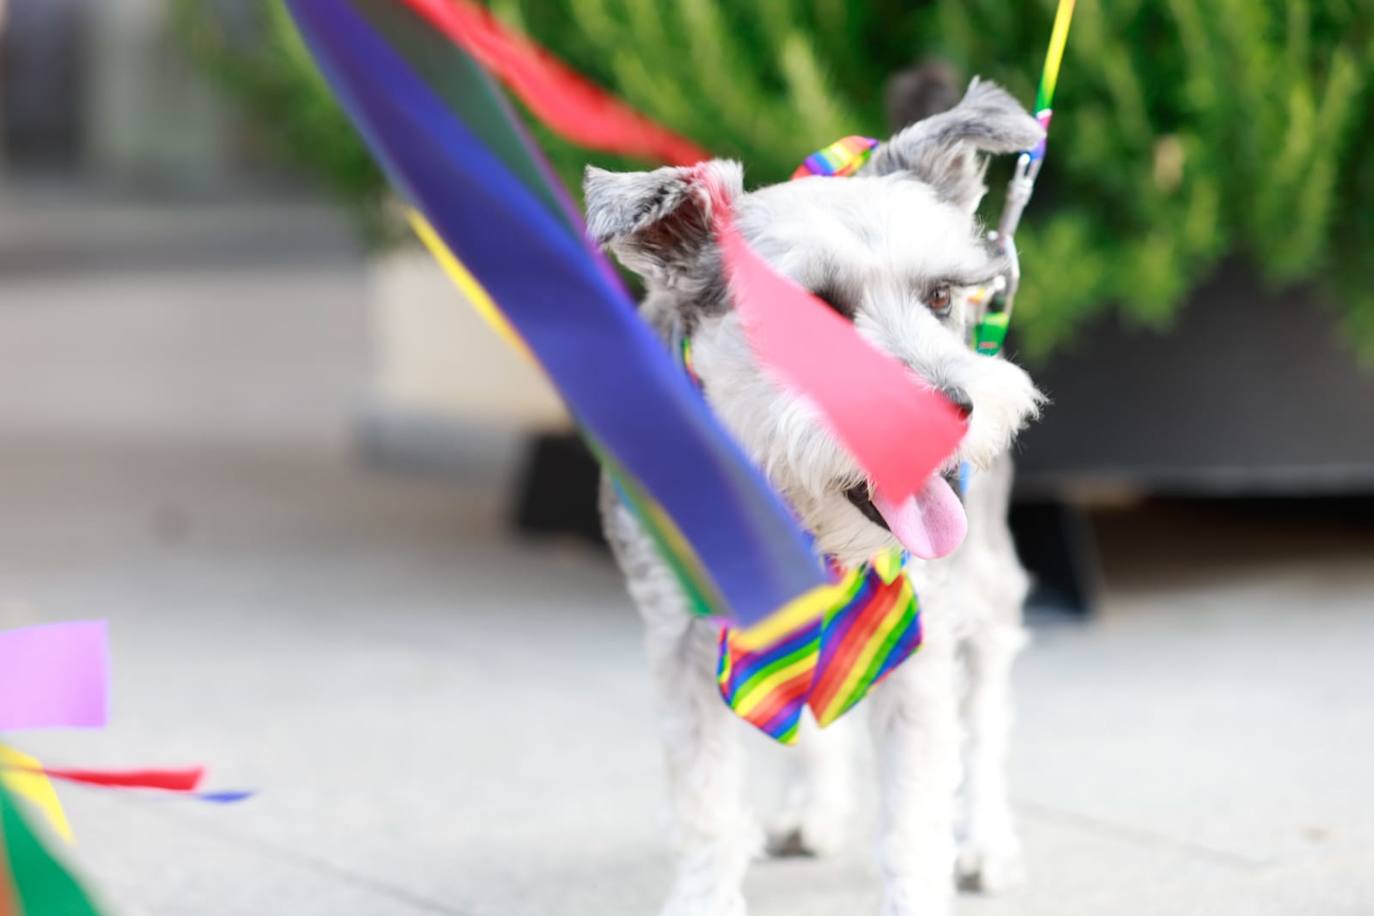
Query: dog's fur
point(876, 246)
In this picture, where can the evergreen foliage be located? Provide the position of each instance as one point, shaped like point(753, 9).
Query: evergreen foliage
point(1186, 131)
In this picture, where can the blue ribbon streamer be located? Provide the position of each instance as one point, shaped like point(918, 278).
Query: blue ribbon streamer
point(616, 377)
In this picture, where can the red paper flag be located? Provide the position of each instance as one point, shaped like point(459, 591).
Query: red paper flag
point(186, 780)
point(898, 430)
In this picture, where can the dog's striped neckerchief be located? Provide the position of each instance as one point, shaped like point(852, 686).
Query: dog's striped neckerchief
point(830, 663)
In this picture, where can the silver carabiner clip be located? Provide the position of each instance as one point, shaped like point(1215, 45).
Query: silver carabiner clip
point(995, 302)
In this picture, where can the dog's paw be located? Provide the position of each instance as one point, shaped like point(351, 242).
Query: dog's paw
point(692, 902)
point(916, 898)
point(990, 867)
point(812, 831)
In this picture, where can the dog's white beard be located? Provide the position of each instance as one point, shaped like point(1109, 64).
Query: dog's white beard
point(786, 437)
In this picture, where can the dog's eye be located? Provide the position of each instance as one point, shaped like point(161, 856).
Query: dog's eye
point(939, 300)
point(832, 298)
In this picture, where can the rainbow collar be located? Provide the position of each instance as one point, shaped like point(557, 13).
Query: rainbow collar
point(842, 158)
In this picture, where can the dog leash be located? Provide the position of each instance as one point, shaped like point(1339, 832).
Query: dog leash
point(994, 302)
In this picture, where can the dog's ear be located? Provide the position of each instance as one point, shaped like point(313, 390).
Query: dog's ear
point(943, 149)
point(920, 91)
point(658, 223)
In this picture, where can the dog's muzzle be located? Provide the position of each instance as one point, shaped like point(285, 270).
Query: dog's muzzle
point(861, 497)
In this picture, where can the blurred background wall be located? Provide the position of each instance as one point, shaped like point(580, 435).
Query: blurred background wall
point(111, 102)
point(98, 89)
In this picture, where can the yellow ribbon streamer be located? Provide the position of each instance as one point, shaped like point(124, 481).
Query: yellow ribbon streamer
point(19, 773)
point(467, 284)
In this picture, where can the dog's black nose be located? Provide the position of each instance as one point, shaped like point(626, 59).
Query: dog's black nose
point(959, 399)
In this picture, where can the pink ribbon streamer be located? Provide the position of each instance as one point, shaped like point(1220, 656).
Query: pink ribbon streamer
point(54, 676)
point(898, 430)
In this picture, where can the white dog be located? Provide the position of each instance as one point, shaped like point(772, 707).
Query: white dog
point(894, 249)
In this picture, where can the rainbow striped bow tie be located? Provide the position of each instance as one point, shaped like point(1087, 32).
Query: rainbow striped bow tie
point(831, 663)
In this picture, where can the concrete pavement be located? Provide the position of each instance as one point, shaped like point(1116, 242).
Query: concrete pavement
point(441, 720)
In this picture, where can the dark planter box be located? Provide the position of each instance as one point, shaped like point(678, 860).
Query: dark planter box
point(1248, 393)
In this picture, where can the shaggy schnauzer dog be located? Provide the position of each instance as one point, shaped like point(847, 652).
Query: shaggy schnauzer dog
point(894, 249)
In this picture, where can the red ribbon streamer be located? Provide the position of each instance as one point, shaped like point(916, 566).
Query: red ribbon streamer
point(187, 780)
point(569, 104)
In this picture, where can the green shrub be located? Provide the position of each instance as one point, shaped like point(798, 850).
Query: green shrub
point(1186, 132)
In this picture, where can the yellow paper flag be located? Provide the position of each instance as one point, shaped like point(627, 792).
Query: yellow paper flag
point(18, 773)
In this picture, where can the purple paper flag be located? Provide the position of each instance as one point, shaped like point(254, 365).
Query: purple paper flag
point(55, 676)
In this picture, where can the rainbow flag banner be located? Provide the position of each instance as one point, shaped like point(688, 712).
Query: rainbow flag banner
point(487, 202)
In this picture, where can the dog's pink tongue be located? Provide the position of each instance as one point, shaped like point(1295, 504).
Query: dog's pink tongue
point(930, 524)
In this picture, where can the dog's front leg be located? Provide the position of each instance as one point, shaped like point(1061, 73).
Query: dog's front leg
point(989, 851)
point(715, 834)
point(818, 791)
point(916, 734)
point(992, 588)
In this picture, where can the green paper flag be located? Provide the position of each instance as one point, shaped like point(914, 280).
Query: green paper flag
point(41, 883)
